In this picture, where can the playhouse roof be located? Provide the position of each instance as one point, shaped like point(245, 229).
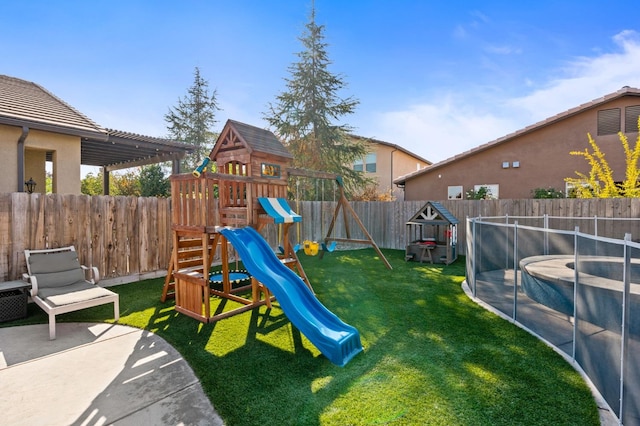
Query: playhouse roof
point(432, 213)
point(236, 135)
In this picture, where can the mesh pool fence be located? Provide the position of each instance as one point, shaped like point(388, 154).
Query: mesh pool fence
point(578, 291)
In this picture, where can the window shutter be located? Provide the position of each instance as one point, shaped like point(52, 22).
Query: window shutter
point(608, 121)
point(631, 114)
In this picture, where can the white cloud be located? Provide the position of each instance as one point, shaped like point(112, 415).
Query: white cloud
point(586, 79)
point(439, 130)
point(458, 121)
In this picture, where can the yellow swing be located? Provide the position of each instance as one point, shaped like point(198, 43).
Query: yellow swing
point(310, 247)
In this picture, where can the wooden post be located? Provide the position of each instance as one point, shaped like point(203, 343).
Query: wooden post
point(343, 204)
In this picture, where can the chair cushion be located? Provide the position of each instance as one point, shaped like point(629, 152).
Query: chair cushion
point(75, 293)
point(56, 269)
point(54, 291)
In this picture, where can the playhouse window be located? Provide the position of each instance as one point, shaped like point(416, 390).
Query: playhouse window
point(270, 170)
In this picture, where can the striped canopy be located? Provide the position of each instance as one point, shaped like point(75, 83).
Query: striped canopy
point(279, 210)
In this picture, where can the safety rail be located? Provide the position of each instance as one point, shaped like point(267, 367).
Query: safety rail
point(218, 199)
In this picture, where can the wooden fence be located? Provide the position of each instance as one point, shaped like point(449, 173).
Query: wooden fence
point(385, 221)
point(129, 238)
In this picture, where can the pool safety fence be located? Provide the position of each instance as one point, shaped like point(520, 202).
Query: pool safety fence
point(573, 285)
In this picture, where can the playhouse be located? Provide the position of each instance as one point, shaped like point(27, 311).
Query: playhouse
point(432, 235)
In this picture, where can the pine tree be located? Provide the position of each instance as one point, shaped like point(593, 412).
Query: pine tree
point(303, 116)
point(192, 119)
point(153, 182)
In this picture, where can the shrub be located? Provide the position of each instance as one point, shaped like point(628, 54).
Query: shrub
point(547, 193)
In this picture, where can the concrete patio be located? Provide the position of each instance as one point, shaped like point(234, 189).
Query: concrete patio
point(95, 374)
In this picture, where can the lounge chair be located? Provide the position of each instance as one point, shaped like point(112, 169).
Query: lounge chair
point(59, 284)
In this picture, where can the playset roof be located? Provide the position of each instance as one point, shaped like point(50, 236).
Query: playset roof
point(433, 213)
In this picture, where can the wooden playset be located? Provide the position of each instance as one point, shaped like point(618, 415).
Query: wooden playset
point(249, 189)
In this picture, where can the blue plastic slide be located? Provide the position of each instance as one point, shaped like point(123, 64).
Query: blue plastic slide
point(336, 340)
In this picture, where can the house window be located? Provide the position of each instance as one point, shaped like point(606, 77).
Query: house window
point(370, 161)
point(631, 114)
point(454, 192)
point(368, 164)
point(493, 190)
point(608, 121)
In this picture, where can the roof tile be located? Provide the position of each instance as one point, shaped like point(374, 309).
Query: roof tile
point(24, 100)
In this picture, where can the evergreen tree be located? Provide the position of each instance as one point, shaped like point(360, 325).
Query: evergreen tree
point(153, 182)
point(192, 119)
point(303, 114)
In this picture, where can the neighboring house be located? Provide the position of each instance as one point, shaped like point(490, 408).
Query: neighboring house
point(536, 156)
point(385, 162)
point(36, 127)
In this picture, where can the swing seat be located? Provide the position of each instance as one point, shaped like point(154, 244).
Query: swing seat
point(331, 247)
point(296, 248)
point(310, 247)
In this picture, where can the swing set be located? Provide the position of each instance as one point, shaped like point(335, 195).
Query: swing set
point(311, 247)
point(329, 242)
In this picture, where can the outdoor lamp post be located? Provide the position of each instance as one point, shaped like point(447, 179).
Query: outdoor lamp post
point(31, 185)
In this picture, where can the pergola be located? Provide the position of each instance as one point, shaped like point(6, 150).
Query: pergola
point(121, 150)
point(28, 106)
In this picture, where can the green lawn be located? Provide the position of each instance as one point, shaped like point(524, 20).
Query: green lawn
point(431, 356)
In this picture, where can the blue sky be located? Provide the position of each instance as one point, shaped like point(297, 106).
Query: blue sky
point(437, 78)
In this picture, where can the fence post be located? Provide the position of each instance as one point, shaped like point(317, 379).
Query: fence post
point(626, 311)
point(545, 221)
point(515, 270)
point(506, 244)
point(575, 289)
point(473, 256)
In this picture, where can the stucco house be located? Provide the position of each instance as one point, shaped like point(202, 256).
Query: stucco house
point(37, 127)
point(537, 156)
point(386, 162)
